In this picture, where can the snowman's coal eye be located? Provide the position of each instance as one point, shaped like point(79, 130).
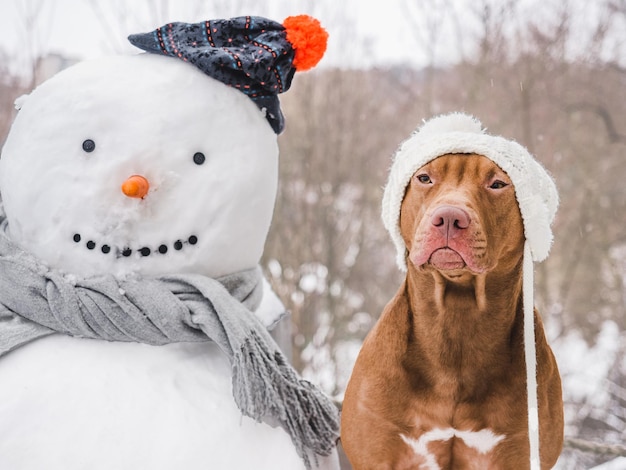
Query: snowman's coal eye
point(89, 145)
point(198, 158)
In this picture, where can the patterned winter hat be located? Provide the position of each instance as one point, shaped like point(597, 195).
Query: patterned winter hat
point(256, 55)
point(536, 193)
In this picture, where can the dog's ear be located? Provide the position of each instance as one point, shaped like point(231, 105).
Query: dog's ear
point(408, 215)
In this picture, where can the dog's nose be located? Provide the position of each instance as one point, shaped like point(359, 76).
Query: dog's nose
point(450, 220)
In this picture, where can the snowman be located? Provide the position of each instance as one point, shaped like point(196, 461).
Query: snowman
point(138, 192)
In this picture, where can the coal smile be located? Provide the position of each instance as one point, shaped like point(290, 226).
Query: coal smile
point(126, 251)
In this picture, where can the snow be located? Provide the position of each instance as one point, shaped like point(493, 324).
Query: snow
point(70, 403)
point(313, 278)
point(615, 464)
point(588, 392)
point(584, 369)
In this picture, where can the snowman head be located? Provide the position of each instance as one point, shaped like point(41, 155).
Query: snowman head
point(140, 164)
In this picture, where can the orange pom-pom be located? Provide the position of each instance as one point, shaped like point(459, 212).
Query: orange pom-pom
point(308, 38)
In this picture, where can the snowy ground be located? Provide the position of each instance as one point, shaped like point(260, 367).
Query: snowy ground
point(615, 464)
point(588, 389)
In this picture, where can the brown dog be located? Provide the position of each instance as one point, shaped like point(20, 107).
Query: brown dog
point(440, 382)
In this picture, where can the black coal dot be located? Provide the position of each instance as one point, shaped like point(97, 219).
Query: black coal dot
point(77, 237)
point(105, 249)
point(198, 158)
point(145, 251)
point(91, 245)
point(127, 252)
point(193, 240)
point(163, 249)
point(178, 245)
point(89, 145)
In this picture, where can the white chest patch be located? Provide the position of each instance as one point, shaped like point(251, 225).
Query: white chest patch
point(482, 441)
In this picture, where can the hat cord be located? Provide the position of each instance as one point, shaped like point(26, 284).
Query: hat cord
point(530, 355)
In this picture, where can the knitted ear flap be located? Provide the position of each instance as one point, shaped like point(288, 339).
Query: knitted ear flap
point(256, 55)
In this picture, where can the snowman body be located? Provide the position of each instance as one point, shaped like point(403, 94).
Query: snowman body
point(209, 159)
point(68, 403)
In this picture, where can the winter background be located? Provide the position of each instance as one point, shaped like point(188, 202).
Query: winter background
point(549, 73)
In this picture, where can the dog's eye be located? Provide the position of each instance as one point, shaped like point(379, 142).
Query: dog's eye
point(497, 184)
point(424, 179)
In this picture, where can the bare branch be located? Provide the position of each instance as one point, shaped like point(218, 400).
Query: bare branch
point(595, 447)
point(604, 115)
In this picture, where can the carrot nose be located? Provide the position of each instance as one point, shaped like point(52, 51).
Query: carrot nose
point(136, 186)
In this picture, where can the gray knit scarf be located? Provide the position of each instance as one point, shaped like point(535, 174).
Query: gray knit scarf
point(36, 301)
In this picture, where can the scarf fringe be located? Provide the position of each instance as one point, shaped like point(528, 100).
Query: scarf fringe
point(275, 390)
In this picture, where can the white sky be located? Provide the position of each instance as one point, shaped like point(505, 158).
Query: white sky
point(361, 32)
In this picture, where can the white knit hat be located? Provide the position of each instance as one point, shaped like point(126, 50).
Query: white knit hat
point(536, 193)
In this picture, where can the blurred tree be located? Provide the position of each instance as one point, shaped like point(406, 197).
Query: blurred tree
point(34, 34)
point(11, 87)
point(327, 249)
point(539, 79)
point(550, 75)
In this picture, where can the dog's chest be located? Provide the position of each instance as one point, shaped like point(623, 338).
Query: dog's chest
point(443, 434)
point(443, 448)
